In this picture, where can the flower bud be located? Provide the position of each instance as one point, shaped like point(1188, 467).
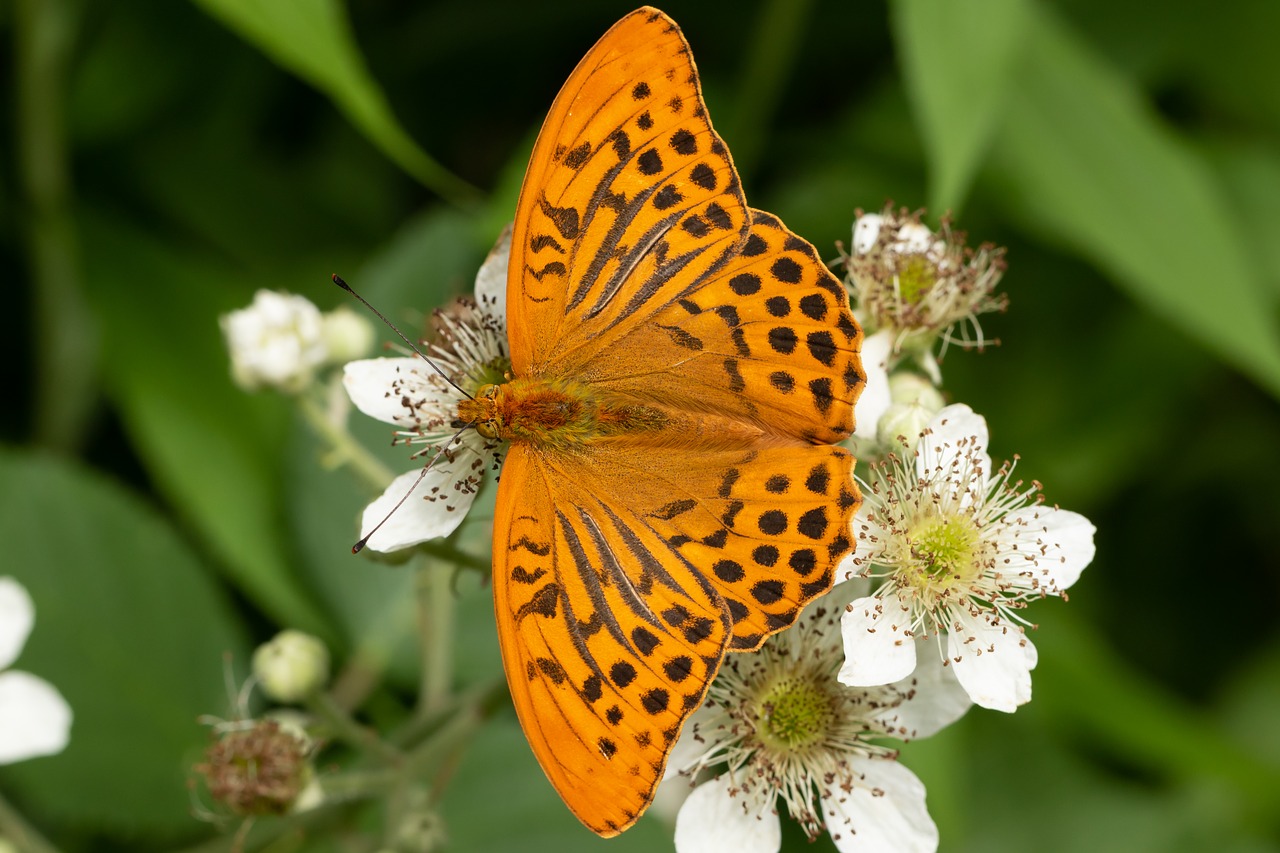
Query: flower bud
point(420, 829)
point(274, 343)
point(915, 402)
point(347, 335)
point(908, 387)
point(292, 666)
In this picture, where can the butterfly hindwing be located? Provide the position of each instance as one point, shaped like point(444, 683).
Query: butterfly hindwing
point(609, 639)
point(768, 339)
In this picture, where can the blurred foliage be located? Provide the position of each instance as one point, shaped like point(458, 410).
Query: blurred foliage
point(163, 160)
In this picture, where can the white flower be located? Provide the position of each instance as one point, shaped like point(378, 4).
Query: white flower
point(779, 725)
point(410, 393)
point(34, 718)
point(918, 285)
point(959, 551)
point(277, 342)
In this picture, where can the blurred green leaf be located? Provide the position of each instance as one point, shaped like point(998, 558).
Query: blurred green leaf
point(1251, 175)
point(1085, 162)
point(313, 39)
point(215, 451)
point(1139, 720)
point(498, 773)
point(958, 60)
point(130, 630)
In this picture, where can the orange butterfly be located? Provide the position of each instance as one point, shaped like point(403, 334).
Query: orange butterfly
point(681, 366)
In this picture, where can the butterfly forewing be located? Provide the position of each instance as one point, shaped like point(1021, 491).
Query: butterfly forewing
point(629, 192)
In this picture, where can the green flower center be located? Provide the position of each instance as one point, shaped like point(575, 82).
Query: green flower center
point(793, 714)
point(946, 554)
point(493, 372)
point(916, 277)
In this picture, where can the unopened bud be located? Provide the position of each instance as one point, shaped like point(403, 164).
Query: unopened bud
point(292, 666)
point(347, 335)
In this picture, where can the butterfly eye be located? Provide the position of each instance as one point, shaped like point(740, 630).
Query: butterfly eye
point(488, 429)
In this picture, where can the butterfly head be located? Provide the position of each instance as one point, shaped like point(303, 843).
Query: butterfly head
point(483, 411)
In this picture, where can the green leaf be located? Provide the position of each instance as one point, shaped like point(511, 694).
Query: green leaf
point(958, 60)
point(313, 39)
point(1086, 162)
point(214, 451)
point(1138, 719)
point(130, 630)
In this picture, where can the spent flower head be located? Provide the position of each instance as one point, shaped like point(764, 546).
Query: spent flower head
point(471, 350)
point(958, 550)
point(777, 724)
point(34, 718)
point(920, 285)
point(257, 767)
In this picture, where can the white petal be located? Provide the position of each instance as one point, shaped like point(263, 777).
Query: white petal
point(913, 237)
point(866, 230)
point(875, 398)
point(34, 718)
point(401, 391)
point(17, 615)
point(491, 280)
point(956, 443)
point(434, 509)
point(884, 813)
point(933, 699)
point(877, 647)
point(1056, 542)
point(993, 660)
point(719, 817)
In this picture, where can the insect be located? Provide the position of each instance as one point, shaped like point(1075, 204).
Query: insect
point(681, 368)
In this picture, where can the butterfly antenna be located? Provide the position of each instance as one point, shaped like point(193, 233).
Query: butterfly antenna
point(453, 442)
point(337, 279)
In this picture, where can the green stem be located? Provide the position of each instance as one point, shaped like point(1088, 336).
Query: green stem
point(435, 627)
point(347, 729)
point(64, 328)
point(343, 448)
point(15, 827)
point(443, 550)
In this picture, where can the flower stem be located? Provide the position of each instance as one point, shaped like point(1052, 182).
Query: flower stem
point(344, 449)
point(346, 728)
point(64, 329)
point(435, 627)
point(15, 827)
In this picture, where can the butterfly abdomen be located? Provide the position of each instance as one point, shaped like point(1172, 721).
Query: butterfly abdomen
point(559, 414)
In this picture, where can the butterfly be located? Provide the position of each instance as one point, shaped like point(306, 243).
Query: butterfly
point(681, 369)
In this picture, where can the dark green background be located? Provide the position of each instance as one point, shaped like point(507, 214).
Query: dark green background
point(161, 163)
